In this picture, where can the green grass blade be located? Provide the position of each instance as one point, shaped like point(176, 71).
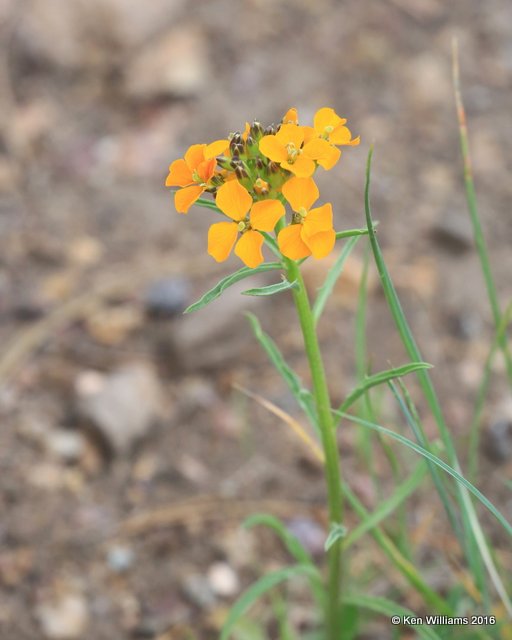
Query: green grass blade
point(474, 429)
point(334, 273)
point(466, 535)
point(271, 289)
point(388, 506)
point(380, 378)
point(292, 544)
point(389, 609)
point(303, 396)
point(437, 461)
point(226, 282)
point(208, 204)
point(478, 234)
point(259, 589)
point(402, 564)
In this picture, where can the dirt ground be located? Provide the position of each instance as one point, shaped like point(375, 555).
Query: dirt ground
point(127, 459)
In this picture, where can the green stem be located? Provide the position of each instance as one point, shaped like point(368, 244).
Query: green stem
point(328, 436)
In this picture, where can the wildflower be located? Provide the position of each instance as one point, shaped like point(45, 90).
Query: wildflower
point(311, 231)
point(193, 173)
point(289, 149)
point(291, 117)
point(329, 126)
point(248, 219)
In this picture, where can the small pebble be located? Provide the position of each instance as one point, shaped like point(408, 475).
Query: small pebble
point(166, 298)
point(223, 580)
point(120, 559)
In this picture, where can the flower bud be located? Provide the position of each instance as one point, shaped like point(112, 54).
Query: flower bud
point(256, 130)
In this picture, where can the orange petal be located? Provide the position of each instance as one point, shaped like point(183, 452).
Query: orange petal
point(245, 133)
point(322, 243)
point(206, 169)
point(326, 117)
point(273, 149)
point(303, 167)
point(179, 175)
point(217, 148)
point(248, 248)
point(291, 244)
point(291, 117)
point(341, 135)
point(300, 192)
point(290, 133)
point(194, 155)
point(309, 134)
point(221, 238)
point(323, 152)
point(185, 198)
point(319, 219)
point(265, 214)
point(233, 200)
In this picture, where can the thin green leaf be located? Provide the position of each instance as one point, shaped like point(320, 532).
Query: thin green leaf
point(350, 233)
point(226, 282)
point(381, 378)
point(388, 506)
point(271, 289)
point(291, 542)
point(336, 533)
point(332, 276)
point(259, 589)
point(405, 566)
point(208, 204)
point(302, 395)
point(437, 461)
point(472, 533)
point(389, 609)
point(478, 234)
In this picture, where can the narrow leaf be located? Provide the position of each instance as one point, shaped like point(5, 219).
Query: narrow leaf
point(380, 378)
point(302, 395)
point(294, 547)
point(389, 609)
point(271, 289)
point(388, 506)
point(226, 282)
point(336, 533)
point(259, 589)
point(351, 233)
point(332, 276)
point(437, 461)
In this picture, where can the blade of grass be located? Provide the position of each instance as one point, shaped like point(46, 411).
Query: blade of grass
point(332, 277)
point(259, 589)
point(437, 461)
point(389, 609)
point(303, 396)
point(474, 429)
point(388, 506)
point(471, 536)
point(478, 234)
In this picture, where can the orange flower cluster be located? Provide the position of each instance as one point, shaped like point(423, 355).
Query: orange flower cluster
point(252, 175)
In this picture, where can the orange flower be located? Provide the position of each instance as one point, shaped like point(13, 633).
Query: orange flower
point(291, 117)
point(329, 126)
point(235, 201)
point(311, 232)
point(296, 150)
point(193, 172)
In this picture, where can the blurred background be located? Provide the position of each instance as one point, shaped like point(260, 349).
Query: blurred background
point(127, 460)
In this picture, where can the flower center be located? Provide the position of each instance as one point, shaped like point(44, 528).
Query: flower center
point(302, 212)
point(292, 152)
point(197, 178)
point(327, 132)
point(242, 226)
point(261, 187)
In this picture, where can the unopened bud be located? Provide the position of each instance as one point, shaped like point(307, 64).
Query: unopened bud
point(261, 187)
point(256, 130)
point(241, 172)
point(259, 164)
point(270, 130)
